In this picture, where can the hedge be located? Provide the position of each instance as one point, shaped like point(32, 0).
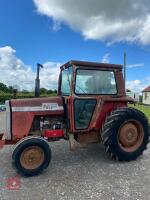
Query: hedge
point(7, 96)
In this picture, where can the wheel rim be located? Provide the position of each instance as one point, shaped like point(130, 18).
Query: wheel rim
point(32, 157)
point(131, 135)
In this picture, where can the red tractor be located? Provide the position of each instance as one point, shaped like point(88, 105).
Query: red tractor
point(91, 106)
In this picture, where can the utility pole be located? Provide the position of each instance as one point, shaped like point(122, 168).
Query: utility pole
point(125, 57)
point(37, 81)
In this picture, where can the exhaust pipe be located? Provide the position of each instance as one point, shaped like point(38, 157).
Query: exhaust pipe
point(37, 81)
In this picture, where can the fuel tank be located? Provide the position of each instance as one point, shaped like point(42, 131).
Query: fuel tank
point(23, 112)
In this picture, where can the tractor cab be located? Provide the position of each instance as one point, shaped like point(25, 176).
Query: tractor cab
point(85, 86)
point(89, 78)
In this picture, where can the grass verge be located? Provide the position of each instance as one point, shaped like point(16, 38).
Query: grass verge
point(145, 109)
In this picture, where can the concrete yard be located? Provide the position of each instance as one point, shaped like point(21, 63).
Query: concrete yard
point(85, 174)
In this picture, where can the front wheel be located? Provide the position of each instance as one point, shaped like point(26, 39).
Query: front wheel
point(125, 134)
point(31, 156)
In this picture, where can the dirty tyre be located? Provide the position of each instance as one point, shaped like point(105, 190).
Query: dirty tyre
point(31, 156)
point(125, 134)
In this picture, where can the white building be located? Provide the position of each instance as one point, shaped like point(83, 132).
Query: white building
point(146, 96)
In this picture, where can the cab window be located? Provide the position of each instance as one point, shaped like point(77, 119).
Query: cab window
point(95, 82)
point(66, 81)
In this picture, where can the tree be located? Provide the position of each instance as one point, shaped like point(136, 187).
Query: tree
point(43, 91)
point(25, 91)
point(50, 92)
point(4, 88)
point(10, 89)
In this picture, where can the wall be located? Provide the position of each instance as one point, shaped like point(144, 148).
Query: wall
point(146, 98)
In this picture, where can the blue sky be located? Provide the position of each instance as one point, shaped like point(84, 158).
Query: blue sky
point(36, 31)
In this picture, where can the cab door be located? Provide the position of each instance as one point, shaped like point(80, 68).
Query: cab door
point(90, 86)
point(83, 112)
point(65, 90)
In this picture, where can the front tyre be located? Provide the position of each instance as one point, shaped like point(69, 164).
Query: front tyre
point(125, 134)
point(31, 156)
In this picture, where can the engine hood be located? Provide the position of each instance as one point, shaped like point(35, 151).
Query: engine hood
point(23, 112)
point(37, 104)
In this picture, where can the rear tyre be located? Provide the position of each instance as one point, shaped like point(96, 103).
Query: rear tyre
point(125, 134)
point(31, 156)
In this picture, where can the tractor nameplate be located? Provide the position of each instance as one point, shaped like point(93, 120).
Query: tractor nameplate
point(43, 107)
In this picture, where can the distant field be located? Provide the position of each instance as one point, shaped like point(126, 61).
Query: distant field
point(144, 109)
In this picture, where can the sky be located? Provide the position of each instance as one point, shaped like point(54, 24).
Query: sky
point(52, 32)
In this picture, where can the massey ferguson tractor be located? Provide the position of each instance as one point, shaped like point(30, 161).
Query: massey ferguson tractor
point(91, 106)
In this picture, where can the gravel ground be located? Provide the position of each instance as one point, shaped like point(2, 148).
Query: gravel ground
point(85, 174)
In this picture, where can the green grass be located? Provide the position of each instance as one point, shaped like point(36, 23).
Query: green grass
point(144, 109)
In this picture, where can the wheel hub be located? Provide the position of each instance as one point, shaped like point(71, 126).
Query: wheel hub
point(130, 136)
point(32, 157)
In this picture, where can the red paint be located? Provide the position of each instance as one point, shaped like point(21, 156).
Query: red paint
point(13, 183)
point(21, 124)
point(2, 143)
point(58, 133)
point(22, 121)
point(2, 140)
point(105, 105)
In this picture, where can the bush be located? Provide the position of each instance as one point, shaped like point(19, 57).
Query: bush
point(8, 96)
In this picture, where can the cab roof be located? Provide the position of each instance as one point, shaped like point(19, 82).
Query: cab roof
point(91, 64)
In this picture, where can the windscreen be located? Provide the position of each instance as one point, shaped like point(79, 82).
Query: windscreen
point(95, 82)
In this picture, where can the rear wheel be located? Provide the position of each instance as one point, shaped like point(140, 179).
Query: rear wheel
point(31, 156)
point(125, 134)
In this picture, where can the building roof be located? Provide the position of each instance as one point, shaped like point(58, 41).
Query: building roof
point(91, 64)
point(146, 89)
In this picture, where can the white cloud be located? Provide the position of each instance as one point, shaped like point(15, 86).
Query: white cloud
point(105, 58)
point(14, 72)
point(148, 79)
point(49, 75)
point(110, 21)
point(135, 65)
point(135, 85)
